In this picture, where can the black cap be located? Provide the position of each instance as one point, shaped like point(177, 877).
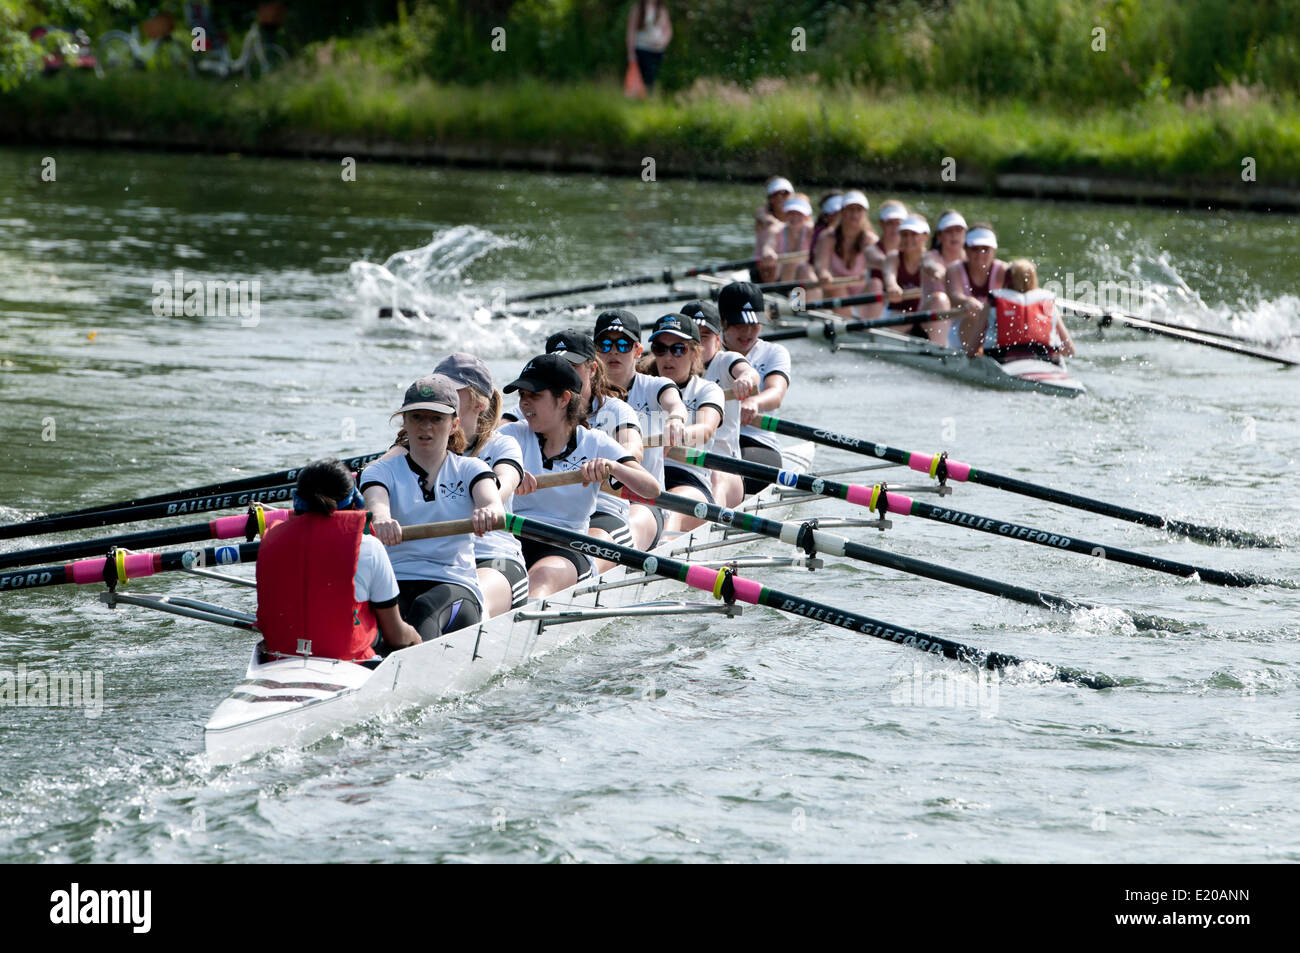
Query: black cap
point(703, 313)
point(576, 345)
point(551, 372)
point(740, 303)
point(675, 325)
point(618, 322)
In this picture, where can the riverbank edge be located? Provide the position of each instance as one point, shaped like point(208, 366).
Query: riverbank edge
point(1083, 186)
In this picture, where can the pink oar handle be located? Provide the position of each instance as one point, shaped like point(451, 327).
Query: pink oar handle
point(92, 570)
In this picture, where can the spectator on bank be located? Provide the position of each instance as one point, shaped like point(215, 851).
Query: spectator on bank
point(649, 31)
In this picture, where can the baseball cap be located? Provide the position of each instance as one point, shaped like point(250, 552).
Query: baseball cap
point(893, 212)
point(551, 372)
point(915, 223)
point(797, 204)
point(740, 303)
point(575, 345)
point(981, 238)
point(466, 370)
point(618, 322)
point(676, 325)
point(832, 204)
point(703, 313)
point(854, 197)
point(779, 184)
point(436, 392)
point(949, 220)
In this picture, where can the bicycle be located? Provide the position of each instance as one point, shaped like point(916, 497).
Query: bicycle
point(120, 50)
point(257, 57)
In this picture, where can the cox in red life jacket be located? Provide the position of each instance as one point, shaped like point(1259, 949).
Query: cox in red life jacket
point(1021, 322)
point(305, 571)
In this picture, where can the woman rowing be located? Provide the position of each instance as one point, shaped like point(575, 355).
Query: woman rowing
point(848, 252)
point(676, 355)
point(730, 371)
point(769, 218)
point(970, 281)
point(554, 439)
point(740, 305)
point(911, 273)
point(656, 400)
point(794, 237)
point(1019, 321)
point(607, 411)
point(437, 577)
point(502, 575)
point(323, 580)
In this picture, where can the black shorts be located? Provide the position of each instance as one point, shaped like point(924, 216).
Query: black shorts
point(677, 477)
point(755, 452)
point(435, 608)
point(515, 574)
point(533, 551)
point(616, 526)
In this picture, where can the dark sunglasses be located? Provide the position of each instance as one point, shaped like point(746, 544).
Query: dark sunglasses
point(659, 350)
point(622, 345)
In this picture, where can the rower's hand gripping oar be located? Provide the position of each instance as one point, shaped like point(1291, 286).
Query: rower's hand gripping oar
point(879, 498)
point(938, 466)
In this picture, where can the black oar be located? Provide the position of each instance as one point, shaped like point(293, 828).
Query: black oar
point(138, 514)
point(940, 467)
point(230, 486)
point(600, 305)
point(668, 276)
point(123, 566)
point(1151, 327)
point(829, 329)
point(880, 499)
point(225, 527)
point(726, 585)
point(811, 539)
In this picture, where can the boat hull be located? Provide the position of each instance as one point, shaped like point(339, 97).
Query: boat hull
point(294, 702)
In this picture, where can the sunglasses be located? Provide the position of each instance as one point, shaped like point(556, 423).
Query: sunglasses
point(622, 345)
point(659, 350)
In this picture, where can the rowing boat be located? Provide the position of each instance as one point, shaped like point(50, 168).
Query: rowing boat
point(292, 702)
point(1020, 374)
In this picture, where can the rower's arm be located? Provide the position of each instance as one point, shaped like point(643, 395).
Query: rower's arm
point(508, 477)
point(629, 438)
point(386, 529)
point(773, 392)
point(956, 291)
point(822, 254)
point(397, 631)
point(670, 400)
point(489, 511)
point(707, 422)
point(744, 371)
point(635, 478)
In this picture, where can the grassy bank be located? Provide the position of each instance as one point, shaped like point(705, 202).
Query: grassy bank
point(810, 132)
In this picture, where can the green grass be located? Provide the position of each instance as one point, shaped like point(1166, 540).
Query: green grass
point(810, 131)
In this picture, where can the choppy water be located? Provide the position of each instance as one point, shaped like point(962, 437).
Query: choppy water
point(762, 738)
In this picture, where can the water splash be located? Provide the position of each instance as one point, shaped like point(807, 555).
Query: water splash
point(425, 290)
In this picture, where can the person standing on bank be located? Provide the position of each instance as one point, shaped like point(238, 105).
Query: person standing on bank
point(649, 31)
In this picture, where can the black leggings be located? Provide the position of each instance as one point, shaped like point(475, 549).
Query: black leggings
point(755, 452)
point(648, 63)
point(435, 608)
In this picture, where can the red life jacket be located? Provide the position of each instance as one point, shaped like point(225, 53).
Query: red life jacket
point(1019, 320)
point(305, 590)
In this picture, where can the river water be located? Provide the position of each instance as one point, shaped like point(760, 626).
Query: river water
point(764, 738)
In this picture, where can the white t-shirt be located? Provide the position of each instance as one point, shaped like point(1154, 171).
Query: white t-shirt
point(611, 416)
point(698, 393)
point(726, 439)
point(445, 559)
point(567, 506)
point(374, 580)
point(767, 357)
point(499, 544)
point(643, 396)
